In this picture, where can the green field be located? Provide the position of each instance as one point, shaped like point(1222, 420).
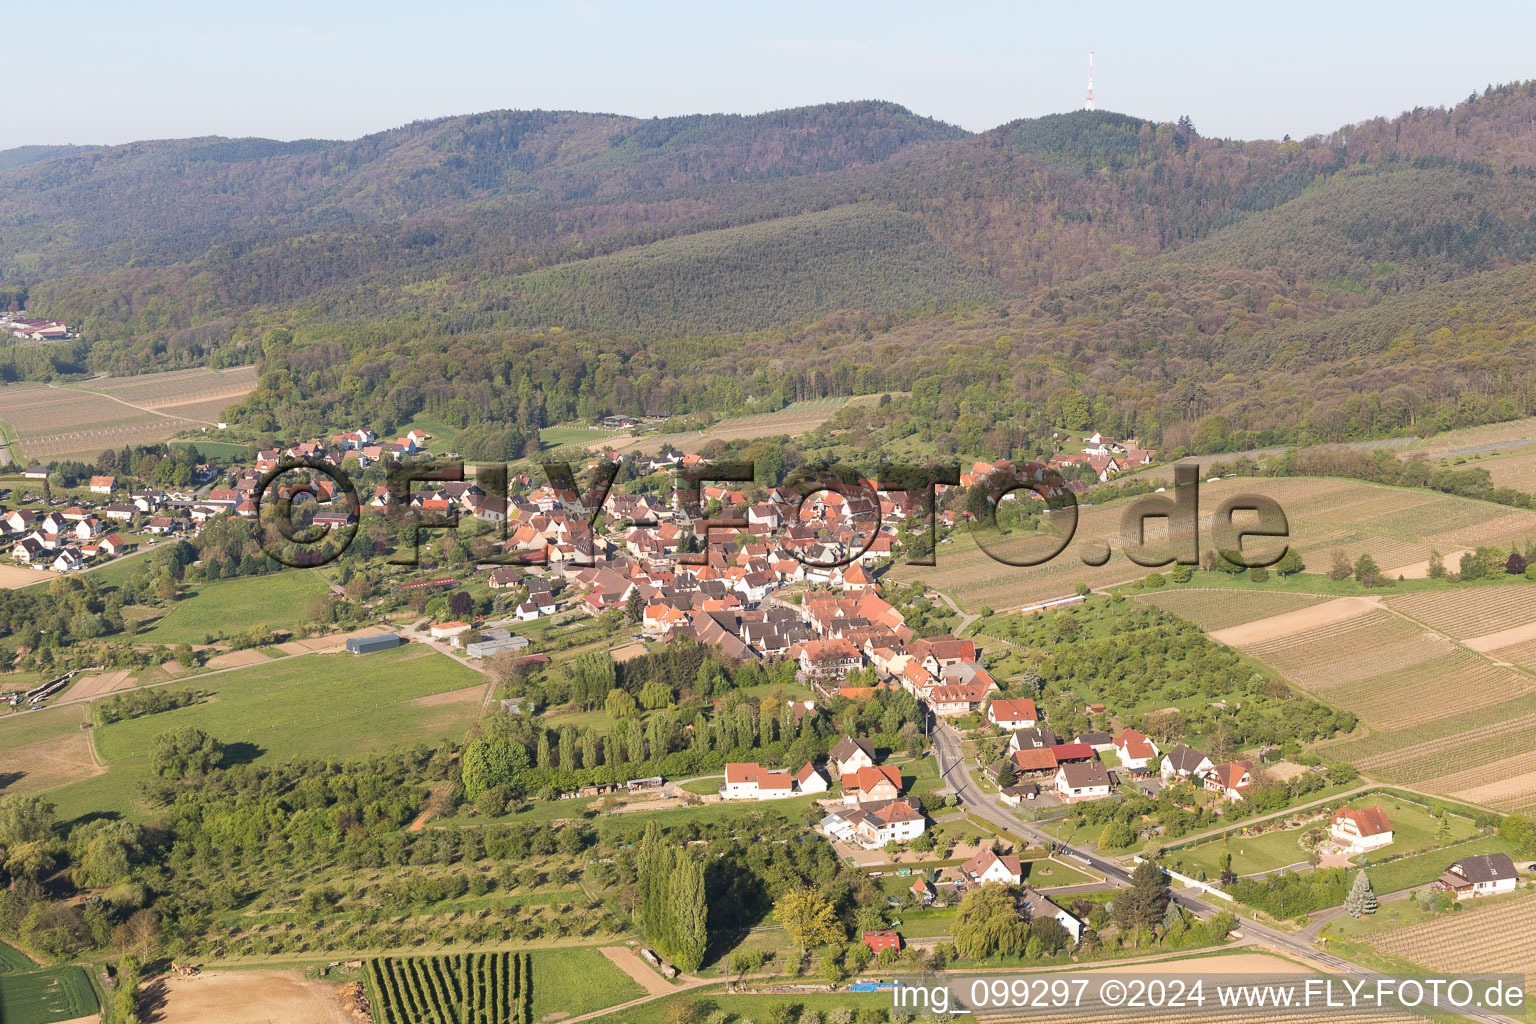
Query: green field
point(578, 980)
point(219, 451)
point(228, 607)
point(313, 705)
point(42, 997)
point(1413, 831)
point(13, 960)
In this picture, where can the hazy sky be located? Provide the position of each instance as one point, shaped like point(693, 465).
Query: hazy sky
point(99, 72)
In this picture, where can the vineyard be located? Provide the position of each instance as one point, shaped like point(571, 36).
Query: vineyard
point(1494, 938)
point(1396, 526)
point(1476, 682)
point(1218, 609)
point(1472, 612)
point(460, 988)
point(1350, 650)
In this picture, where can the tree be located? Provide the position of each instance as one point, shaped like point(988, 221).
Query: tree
point(1258, 573)
point(1367, 572)
point(1362, 898)
point(988, 924)
point(1341, 569)
point(492, 761)
point(25, 819)
point(620, 704)
point(1436, 566)
point(690, 914)
point(808, 918)
point(634, 607)
point(1514, 565)
point(185, 751)
point(1290, 563)
point(1142, 905)
point(1007, 774)
point(460, 605)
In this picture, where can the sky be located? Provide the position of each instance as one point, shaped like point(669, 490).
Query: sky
point(106, 72)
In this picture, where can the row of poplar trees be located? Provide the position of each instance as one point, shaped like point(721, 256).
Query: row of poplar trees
point(673, 914)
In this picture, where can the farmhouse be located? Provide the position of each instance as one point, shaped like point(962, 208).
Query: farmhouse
point(1360, 830)
point(1482, 875)
point(1013, 714)
point(961, 699)
point(1036, 762)
point(881, 941)
point(103, 484)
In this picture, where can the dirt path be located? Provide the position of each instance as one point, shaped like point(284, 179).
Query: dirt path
point(630, 963)
point(1290, 623)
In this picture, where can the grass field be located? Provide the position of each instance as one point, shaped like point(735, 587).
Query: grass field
point(42, 997)
point(578, 980)
point(1413, 830)
point(1397, 527)
point(313, 705)
point(14, 961)
point(793, 420)
point(230, 607)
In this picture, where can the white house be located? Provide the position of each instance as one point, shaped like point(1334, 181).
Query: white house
point(1184, 762)
point(810, 779)
point(748, 780)
point(895, 821)
point(1134, 750)
point(1081, 780)
point(1036, 905)
point(1360, 830)
point(987, 866)
point(444, 630)
point(1483, 875)
point(849, 755)
point(1013, 714)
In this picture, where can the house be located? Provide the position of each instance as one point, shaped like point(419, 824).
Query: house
point(1035, 761)
point(923, 890)
point(38, 472)
point(1013, 714)
point(951, 701)
point(1483, 875)
point(1015, 795)
point(1360, 830)
point(1184, 762)
point(878, 942)
point(103, 484)
point(1032, 739)
point(444, 630)
point(67, 560)
point(122, 513)
point(1082, 780)
point(160, 526)
point(537, 605)
point(334, 521)
point(1232, 780)
point(1099, 741)
point(751, 781)
point(849, 755)
point(877, 782)
point(1035, 905)
point(1134, 750)
point(810, 779)
point(894, 821)
point(987, 866)
point(112, 544)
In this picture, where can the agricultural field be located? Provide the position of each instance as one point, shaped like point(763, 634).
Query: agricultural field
point(114, 411)
point(1468, 613)
point(1398, 527)
point(45, 996)
point(1491, 937)
point(229, 607)
point(473, 988)
point(312, 705)
point(1215, 609)
point(793, 420)
point(43, 750)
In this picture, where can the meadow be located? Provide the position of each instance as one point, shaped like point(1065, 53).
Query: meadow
point(314, 705)
point(42, 997)
point(230, 607)
point(1414, 829)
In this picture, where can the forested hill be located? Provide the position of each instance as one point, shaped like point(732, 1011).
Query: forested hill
point(1278, 288)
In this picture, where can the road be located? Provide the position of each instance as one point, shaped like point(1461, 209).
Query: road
point(954, 770)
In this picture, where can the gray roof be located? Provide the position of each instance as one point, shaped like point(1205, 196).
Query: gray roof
point(1485, 867)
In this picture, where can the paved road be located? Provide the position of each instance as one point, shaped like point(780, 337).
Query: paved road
point(954, 770)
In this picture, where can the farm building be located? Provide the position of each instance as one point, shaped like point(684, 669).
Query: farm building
point(369, 644)
point(486, 648)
